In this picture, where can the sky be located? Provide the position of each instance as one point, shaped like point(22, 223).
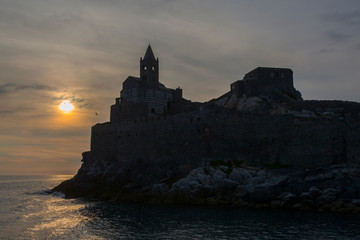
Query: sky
point(82, 51)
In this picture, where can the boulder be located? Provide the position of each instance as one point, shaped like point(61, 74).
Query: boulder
point(319, 177)
point(218, 177)
point(314, 192)
point(325, 199)
point(301, 206)
point(242, 191)
point(159, 189)
point(199, 175)
point(202, 191)
point(305, 196)
point(356, 202)
point(228, 184)
point(240, 175)
point(181, 184)
point(224, 168)
point(331, 192)
point(289, 200)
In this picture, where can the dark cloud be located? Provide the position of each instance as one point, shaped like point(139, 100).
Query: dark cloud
point(351, 17)
point(338, 36)
point(8, 88)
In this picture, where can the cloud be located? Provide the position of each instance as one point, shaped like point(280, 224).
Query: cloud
point(9, 88)
point(348, 18)
point(338, 36)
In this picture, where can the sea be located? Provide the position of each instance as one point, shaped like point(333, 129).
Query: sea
point(27, 211)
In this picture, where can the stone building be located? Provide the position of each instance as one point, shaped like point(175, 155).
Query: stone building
point(274, 82)
point(144, 96)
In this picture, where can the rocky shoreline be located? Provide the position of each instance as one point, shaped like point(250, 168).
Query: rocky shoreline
point(335, 188)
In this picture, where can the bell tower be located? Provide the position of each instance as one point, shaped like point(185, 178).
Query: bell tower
point(149, 69)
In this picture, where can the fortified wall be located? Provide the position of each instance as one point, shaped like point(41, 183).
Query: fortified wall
point(153, 128)
point(201, 136)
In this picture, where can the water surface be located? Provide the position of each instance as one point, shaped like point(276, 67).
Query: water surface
point(26, 212)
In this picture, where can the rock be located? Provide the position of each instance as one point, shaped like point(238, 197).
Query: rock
point(289, 196)
point(224, 168)
point(305, 196)
point(193, 184)
point(356, 202)
point(159, 189)
point(211, 171)
point(310, 203)
point(276, 203)
point(240, 175)
point(314, 192)
point(241, 203)
point(331, 192)
point(282, 195)
point(258, 179)
point(349, 207)
point(181, 184)
point(202, 191)
point(211, 201)
point(319, 177)
point(275, 181)
point(298, 186)
point(199, 175)
point(349, 193)
point(300, 206)
point(335, 205)
point(289, 202)
point(218, 177)
point(325, 199)
point(243, 191)
point(228, 184)
point(195, 172)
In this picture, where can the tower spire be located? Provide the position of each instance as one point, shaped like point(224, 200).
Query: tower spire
point(149, 55)
point(149, 68)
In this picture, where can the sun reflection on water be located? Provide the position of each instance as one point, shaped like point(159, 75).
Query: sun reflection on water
point(56, 217)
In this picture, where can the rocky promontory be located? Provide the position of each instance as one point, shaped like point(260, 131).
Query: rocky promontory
point(334, 188)
point(259, 145)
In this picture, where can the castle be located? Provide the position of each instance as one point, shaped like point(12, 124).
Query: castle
point(145, 96)
point(261, 120)
point(155, 138)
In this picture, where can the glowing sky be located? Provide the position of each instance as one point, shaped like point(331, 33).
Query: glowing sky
point(82, 51)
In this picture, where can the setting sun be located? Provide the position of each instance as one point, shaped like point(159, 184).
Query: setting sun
point(66, 106)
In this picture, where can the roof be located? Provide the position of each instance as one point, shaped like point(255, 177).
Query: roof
point(149, 55)
point(271, 69)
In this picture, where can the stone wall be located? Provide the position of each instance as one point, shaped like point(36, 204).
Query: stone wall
point(195, 138)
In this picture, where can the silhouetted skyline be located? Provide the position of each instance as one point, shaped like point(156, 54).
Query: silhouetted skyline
point(82, 51)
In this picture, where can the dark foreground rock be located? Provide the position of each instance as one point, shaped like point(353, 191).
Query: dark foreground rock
point(333, 188)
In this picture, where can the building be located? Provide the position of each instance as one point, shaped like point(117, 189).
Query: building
point(268, 81)
point(144, 96)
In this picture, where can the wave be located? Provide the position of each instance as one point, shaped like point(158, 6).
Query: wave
point(49, 193)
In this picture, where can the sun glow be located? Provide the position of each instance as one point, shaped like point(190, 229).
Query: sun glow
point(66, 106)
